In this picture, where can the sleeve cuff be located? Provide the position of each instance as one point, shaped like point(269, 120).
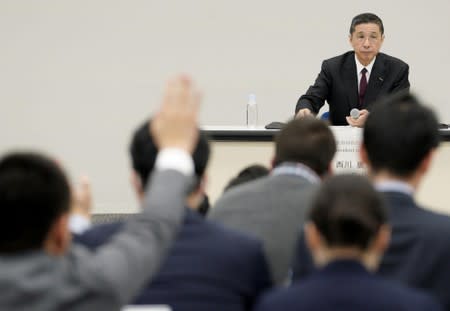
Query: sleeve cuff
point(78, 224)
point(176, 159)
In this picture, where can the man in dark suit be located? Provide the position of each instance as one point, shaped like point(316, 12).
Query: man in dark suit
point(399, 141)
point(209, 267)
point(357, 78)
point(347, 233)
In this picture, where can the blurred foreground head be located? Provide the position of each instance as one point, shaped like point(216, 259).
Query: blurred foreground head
point(347, 221)
point(34, 197)
point(399, 134)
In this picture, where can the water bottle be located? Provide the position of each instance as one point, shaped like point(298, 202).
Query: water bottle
point(252, 111)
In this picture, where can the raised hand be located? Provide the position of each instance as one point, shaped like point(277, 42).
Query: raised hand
point(175, 124)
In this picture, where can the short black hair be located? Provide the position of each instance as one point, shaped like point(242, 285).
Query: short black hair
point(308, 141)
point(366, 18)
point(348, 211)
point(34, 192)
point(143, 153)
point(399, 132)
point(247, 174)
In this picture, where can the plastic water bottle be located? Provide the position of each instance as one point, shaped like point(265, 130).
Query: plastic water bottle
point(252, 111)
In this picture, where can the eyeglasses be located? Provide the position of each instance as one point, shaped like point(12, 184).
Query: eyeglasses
point(372, 38)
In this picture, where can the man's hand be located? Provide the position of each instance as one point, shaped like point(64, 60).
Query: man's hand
point(303, 113)
point(363, 114)
point(82, 198)
point(175, 124)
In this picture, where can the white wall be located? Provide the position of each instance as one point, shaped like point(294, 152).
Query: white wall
point(76, 76)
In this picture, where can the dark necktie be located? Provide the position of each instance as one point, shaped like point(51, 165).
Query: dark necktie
point(362, 87)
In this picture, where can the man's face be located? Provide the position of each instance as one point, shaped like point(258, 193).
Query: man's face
point(366, 41)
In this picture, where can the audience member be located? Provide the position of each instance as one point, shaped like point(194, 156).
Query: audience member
point(273, 207)
point(347, 233)
point(248, 173)
point(39, 268)
point(399, 141)
point(209, 267)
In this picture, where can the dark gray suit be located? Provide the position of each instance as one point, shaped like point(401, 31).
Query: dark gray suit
point(337, 83)
point(273, 209)
point(102, 280)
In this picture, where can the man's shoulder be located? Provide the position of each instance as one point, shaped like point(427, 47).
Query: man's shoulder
point(434, 223)
point(311, 292)
point(260, 195)
point(242, 193)
point(391, 60)
point(220, 244)
point(225, 236)
point(339, 59)
point(430, 224)
point(410, 297)
point(264, 187)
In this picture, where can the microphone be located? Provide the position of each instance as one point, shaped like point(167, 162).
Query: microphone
point(354, 113)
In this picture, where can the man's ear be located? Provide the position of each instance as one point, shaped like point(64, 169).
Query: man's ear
point(58, 238)
point(136, 184)
point(425, 165)
point(272, 163)
point(382, 240)
point(330, 170)
point(313, 238)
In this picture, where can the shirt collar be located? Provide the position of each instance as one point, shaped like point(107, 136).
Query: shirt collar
point(360, 67)
point(298, 169)
point(394, 185)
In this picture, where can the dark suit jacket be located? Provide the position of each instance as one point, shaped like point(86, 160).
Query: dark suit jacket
point(347, 285)
point(209, 267)
point(419, 252)
point(337, 83)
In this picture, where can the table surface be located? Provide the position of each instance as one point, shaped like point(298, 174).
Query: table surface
point(259, 133)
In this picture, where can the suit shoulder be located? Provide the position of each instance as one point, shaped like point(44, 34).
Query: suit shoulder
point(237, 194)
point(434, 223)
point(239, 249)
point(412, 298)
point(231, 236)
point(392, 60)
point(350, 55)
point(278, 299)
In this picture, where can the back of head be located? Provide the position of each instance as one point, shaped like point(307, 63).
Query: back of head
point(366, 18)
point(348, 211)
point(143, 153)
point(247, 174)
point(34, 192)
point(308, 141)
point(399, 133)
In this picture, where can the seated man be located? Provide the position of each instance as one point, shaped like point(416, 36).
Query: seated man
point(347, 233)
point(39, 268)
point(209, 267)
point(273, 207)
point(356, 79)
